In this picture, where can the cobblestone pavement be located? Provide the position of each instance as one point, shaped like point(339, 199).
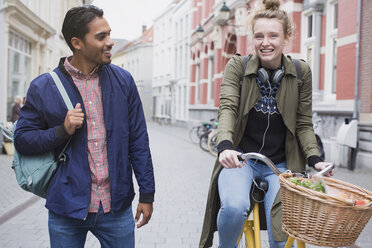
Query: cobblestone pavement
point(182, 172)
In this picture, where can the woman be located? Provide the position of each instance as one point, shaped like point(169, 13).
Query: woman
point(268, 113)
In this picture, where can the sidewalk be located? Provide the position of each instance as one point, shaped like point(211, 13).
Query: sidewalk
point(182, 172)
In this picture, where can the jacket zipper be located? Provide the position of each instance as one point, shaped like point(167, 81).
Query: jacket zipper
point(86, 142)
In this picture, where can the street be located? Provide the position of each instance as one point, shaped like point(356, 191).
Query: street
point(182, 174)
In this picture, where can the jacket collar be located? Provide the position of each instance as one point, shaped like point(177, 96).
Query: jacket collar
point(254, 63)
point(61, 66)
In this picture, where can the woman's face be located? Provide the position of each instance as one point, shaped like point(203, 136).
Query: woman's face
point(269, 41)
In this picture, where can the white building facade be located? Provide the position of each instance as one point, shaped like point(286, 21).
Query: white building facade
point(137, 58)
point(172, 32)
point(31, 43)
point(163, 74)
point(181, 15)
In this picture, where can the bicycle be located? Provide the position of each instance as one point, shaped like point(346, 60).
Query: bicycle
point(204, 138)
point(197, 131)
point(251, 228)
point(212, 142)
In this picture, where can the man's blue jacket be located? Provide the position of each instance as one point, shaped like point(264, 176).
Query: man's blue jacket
point(40, 129)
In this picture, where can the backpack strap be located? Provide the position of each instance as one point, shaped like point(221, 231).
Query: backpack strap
point(66, 98)
point(298, 71)
point(62, 90)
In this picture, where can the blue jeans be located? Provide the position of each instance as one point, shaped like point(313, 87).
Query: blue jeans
point(112, 230)
point(234, 186)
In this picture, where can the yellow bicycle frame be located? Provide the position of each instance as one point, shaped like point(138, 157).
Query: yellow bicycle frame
point(251, 230)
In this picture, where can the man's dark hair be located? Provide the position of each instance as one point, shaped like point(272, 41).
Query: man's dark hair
point(76, 22)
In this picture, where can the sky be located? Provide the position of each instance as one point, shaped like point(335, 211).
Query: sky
point(126, 17)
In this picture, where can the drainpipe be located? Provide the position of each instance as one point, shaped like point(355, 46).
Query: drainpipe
point(354, 151)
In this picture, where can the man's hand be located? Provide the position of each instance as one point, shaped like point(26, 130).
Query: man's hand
point(146, 210)
point(74, 119)
point(229, 159)
point(322, 165)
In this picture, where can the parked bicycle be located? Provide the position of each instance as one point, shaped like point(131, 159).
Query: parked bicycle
point(212, 142)
point(197, 131)
point(204, 138)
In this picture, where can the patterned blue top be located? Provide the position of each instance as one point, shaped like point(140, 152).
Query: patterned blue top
point(267, 102)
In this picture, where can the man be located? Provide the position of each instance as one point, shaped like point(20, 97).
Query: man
point(93, 189)
point(16, 108)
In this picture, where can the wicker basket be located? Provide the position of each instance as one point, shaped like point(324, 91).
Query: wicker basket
point(319, 219)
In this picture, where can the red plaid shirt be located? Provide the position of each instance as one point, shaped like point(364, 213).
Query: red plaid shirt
point(90, 91)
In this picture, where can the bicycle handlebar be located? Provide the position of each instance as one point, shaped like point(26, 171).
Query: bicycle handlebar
point(266, 160)
point(261, 157)
point(329, 168)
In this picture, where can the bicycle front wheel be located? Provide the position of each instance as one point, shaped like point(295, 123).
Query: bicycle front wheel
point(203, 142)
point(193, 134)
point(212, 143)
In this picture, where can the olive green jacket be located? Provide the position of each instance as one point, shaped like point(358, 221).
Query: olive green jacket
point(294, 103)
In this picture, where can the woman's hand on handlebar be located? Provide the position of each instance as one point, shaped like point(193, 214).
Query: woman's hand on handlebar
point(322, 165)
point(229, 159)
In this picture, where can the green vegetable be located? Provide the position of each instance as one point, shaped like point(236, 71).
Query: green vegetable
point(317, 186)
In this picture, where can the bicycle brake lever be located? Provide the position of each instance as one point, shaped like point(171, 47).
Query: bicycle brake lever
point(240, 158)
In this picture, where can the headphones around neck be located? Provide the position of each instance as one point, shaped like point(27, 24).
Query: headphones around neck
point(275, 78)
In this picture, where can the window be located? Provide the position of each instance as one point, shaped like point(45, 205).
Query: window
point(180, 61)
point(334, 66)
point(19, 67)
point(335, 18)
point(197, 83)
point(19, 43)
point(330, 51)
point(310, 26)
point(210, 79)
point(176, 62)
point(16, 62)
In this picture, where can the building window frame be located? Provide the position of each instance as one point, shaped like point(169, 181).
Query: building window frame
point(210, 79)
point(19, 67)
point(330, 70)
point(197, 83)
point(310, 39)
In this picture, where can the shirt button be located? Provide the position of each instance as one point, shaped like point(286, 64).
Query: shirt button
point(90, 102)
point(98, 164)
point(96, 144)
point(99, 187)
point(94, 123)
